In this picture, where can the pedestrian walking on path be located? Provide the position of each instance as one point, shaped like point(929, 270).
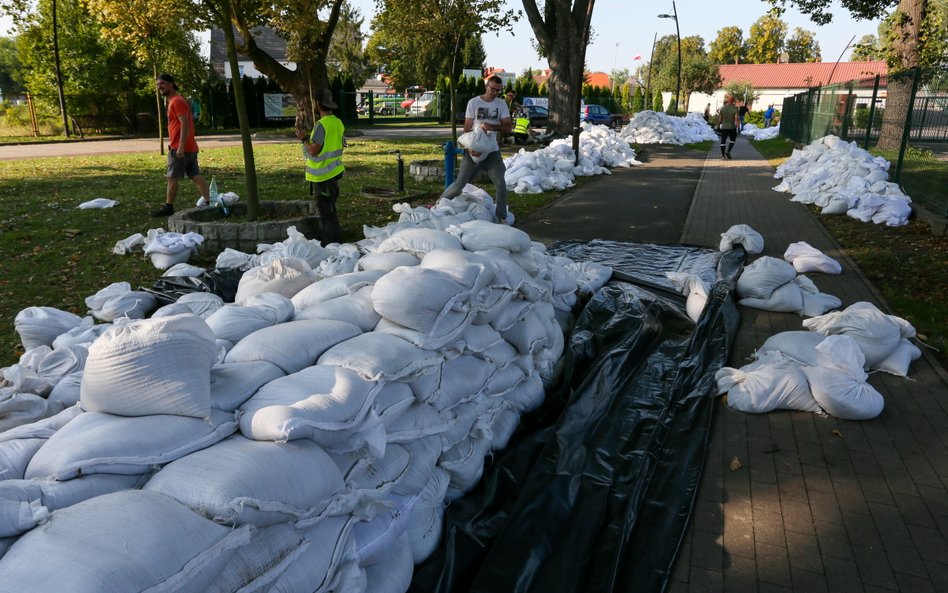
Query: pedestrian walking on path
point(728, 123)
point(182, 147)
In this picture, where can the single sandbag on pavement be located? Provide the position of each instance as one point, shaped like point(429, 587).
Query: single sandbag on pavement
point(762, 277)
point(151, 366)
point(787, 298)
point(744, 235)
point(838, 382)
point(772, 382)
point(126, 542)
point(876, 333)
point(806, 258)
point(898, 361)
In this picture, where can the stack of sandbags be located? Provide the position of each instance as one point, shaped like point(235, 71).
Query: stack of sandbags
point(806, 258)
point(554, 167)
point(756, 133)
point(772, 284)
point(840, 177)
point(655, 127)
point(168, 248)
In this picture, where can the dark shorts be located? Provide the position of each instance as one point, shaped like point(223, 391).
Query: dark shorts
point(728, 134)
point(186, 167)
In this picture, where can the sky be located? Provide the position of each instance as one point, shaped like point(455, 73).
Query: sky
point(624, 28)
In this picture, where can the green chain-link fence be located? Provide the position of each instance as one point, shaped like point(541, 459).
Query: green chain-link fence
point(856, 111)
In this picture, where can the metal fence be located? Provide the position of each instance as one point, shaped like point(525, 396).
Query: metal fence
point(857, 112)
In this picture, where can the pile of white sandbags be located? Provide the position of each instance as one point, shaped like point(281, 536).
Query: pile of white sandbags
point(655, 127)
point(756, 133)
point(554, 167)
point(824, 368)
point(840, 177)
point(772, 284)
point(304, 439)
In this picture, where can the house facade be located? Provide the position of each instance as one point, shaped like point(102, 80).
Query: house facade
point(775, 82)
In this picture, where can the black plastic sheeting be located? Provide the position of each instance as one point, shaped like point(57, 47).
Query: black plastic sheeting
point(223, 282)
point(595, 490)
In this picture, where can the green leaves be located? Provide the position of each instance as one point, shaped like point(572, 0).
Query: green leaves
point(766, 40)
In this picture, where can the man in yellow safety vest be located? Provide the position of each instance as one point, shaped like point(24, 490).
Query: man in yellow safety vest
point(521, 131)
point(322, 150)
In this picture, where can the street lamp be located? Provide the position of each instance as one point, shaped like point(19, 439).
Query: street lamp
point(674, 16)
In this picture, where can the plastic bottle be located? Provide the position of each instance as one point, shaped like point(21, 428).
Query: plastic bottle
point(213, 197)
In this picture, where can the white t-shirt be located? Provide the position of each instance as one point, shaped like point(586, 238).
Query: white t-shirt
point(490, 112)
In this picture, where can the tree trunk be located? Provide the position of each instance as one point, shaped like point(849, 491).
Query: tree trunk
point(905, 37)
point(250, 170)
point(161, 134)
point(562, 34)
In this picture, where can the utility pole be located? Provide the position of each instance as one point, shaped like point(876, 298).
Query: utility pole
point(674, 16)
point(59, 74)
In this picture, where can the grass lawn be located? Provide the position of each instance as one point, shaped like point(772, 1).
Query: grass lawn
point(55, 254)
point(908, 264)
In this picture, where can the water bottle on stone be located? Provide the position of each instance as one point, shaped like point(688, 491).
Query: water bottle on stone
point(213, 197)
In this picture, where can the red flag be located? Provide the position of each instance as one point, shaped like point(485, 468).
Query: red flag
point(637, 57)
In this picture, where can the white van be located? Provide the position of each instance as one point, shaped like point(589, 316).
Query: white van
point(423, 105)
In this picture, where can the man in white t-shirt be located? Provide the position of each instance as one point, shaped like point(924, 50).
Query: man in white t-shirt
point(491, 114)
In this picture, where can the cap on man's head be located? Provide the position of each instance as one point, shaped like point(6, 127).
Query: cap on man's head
point(169, 79)
point(324, 98)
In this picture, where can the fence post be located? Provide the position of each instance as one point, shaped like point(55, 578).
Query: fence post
point(371, 107)
point(908, 126)
point(872, 112)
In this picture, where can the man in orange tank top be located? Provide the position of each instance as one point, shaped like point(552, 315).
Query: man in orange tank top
point(182, 147)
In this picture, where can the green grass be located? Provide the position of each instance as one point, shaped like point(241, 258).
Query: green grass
point(908, 264)
point(55, 254)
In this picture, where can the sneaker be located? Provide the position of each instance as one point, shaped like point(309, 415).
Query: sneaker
point(165, 210)
point(729, 156)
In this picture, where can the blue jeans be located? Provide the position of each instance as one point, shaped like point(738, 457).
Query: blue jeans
point(494, 165)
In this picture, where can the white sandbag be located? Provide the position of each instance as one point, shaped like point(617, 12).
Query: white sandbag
point(876, 333)
point(405, 469)
point(479, 235)
point(464, 462)
point(18, 409)
point(375, 538)
point(806, 258)
point(327, 563)
point(151, 366)
point(392, 574)
point(256, 566)
point(285, 276)
point(898, 361)
point(240, 481)
point(202, 304)
point(381, 357)
point(503, 423)
point(329, 405)
point(84, 333)
point(233, 383)
point(183, 269)
point(799, 346)
point(528, 393)
point(15, 455)
point(332, 288)
point(392, 401)
point(419, 421)
point(297, 246)
point(529, 335)
point(590, 276)
point(763, 276)
point(38, 326)
point(356, 309)
point(772, 382)
point(478, 140)
point(743, 235)
point(25, 504)
point(125, 542)
point(427, 518)
point(820, 303)
point(171, 309)
point(693, 287)
point(97, 443)
point(234, 322)
point(837, 205)
point(894, 212)
point(386, 262)
point(456, 380)
point(293, 345)
point(119, 300)
point(418, 242)
point(41, 429)
point(838, 383)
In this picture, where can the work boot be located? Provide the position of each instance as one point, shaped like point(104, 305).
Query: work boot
point(166, 210)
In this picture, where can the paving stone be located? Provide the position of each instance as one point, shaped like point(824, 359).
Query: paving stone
point(904, 556)
point(740, 574)
point(791, 487)
point(915, 584)
point(842, 575)
point(874, 567)
point(913, 509)
point(888, 520)
point(930, 543)
point(875, 489)
point(833, 540)
point(765, 497)
point(706, 550)
point(803, 551)
point(772, 564)
point(824, 508)
point(702, 580)
point(768, 527)
point(861, 529)
point(738, 533)
point(797, 517)
point(806, 580)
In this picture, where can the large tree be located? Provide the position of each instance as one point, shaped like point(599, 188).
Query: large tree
point(699, 73)
point(728, 47)
point(346, 56)
point(867, 49)
point(421, 40)
point(11, 80)
point(917, 38)
point(562, 30)
point(803, 47)
point(766, 40)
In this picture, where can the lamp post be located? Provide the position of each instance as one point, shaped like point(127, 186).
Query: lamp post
point(674, 16)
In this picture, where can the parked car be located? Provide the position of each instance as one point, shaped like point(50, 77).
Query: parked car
point(424, 105)
point(596, 114)
point(539, 116)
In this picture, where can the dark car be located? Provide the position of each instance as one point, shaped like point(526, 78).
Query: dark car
point(596, 114)
point(539, 116)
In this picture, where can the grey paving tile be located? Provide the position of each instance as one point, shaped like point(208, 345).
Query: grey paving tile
point(806, 580)
point(768, 527)
point(861, 529)
point(930, 543)
point(791, 488)
point(888, 520)
point(904, 556)
point(765, 497)
point(706, 550)
point(833, 540)
point(702, 580)
point(797, 517)
point(874, 567)
point(842, 575)
point(773, 566)
point(803, 551)
point(915, 584)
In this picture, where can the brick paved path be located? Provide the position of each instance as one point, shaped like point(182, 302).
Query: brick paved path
point(819, 504)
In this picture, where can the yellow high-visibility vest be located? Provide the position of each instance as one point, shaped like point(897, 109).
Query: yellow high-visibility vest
point(328, 163)
point(523, 125)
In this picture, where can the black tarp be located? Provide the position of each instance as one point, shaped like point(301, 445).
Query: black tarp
point(595, 490)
